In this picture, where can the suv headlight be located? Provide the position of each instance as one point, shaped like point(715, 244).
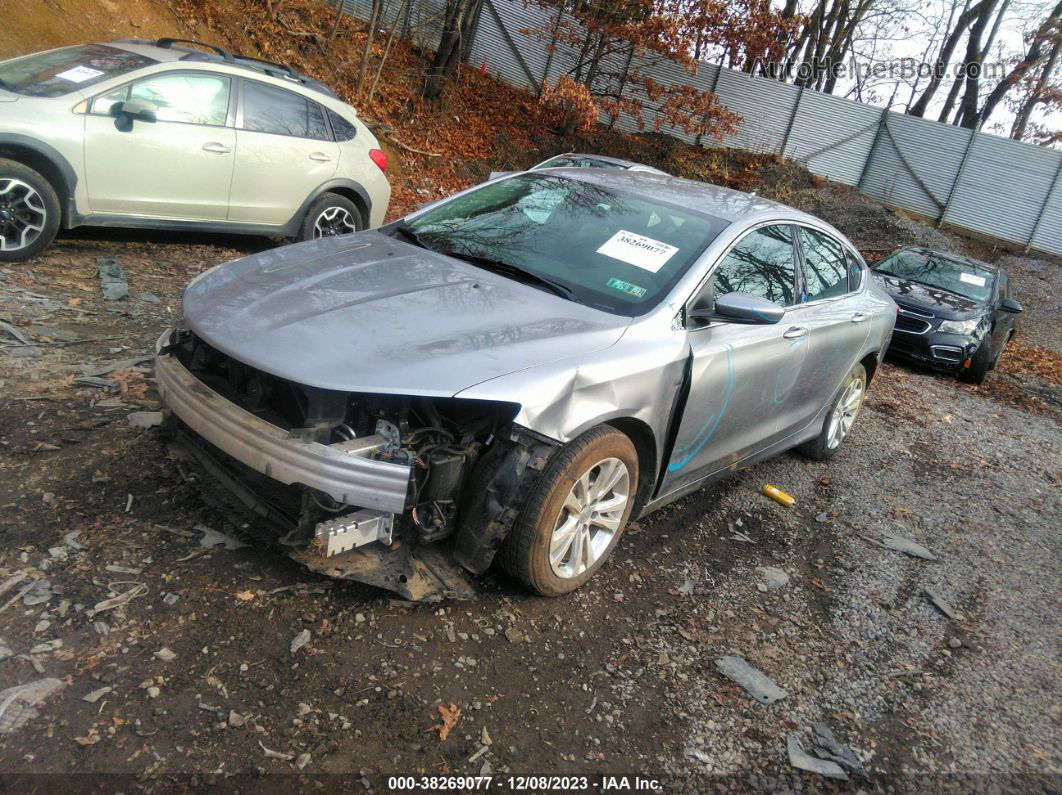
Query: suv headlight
point(959, 326)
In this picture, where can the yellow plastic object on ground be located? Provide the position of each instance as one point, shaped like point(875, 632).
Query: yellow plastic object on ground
point(779, 496)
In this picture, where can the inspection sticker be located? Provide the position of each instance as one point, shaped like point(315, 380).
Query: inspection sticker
point(642, 252)
point(969, 278)
point(79, 74)
point(627, 287)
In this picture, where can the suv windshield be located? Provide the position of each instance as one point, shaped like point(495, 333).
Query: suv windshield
point(52, 74)
point(935, 270)
point(608, 249)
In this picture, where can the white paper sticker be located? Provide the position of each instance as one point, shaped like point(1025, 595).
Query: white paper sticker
point(969, 278)
point(79, 74)
point(642, 252)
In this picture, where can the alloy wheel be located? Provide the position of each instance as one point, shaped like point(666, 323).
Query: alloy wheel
point(844, 414)
point(22, 214)
point(334, 221)
point(589, 518)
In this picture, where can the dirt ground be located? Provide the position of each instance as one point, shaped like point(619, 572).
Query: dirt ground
point(618, 678)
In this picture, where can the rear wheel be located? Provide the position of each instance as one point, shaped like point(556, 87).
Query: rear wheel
point(331, 215)
point(29, 212)
point(576, 514)
point(841, 416)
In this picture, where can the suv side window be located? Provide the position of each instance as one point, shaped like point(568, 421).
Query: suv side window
point(762, 264)
point(182, 97)
point(273, 110)
point(341, 128)
point(825, 265)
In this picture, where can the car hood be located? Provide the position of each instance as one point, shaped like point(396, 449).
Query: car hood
point(367, 313)
point(919, 296)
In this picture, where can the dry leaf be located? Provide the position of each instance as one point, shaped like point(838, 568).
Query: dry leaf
point(450, 715)
point(245, 596)
point(91, 738)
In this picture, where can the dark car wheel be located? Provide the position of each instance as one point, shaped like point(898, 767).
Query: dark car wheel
point(576, 514)
point(840, 418)
point(29, 212)
point(331, 215)
point(977, 372)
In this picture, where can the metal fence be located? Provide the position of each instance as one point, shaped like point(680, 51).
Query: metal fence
point(979, 182)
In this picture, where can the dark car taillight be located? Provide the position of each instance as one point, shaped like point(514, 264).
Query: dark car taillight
point(379, 157)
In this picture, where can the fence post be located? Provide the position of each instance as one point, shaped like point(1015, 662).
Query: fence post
point(1043, 207)
point(792, 120)
point(958, 176)
point(873, 146)
point(512, 44)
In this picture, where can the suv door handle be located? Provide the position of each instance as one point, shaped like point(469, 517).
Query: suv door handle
point(320, 157)
point(795, 332)
point(859, 317)
point(216, 148)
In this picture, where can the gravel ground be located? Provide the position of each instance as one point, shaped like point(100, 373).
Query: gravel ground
point(618, 678)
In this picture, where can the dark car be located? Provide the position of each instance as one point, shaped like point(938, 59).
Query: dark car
point(954, 313)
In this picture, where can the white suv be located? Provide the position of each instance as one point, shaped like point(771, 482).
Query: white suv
point(166, 136)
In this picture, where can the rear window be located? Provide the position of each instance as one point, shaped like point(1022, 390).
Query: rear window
point(52, 74)
point(343, 129)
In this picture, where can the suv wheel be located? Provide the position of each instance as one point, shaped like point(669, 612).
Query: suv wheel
point(29, 212)
point(331, 215)
point(575, 515)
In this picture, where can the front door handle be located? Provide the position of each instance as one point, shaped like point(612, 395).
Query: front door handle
point(216, 148)
point(795, 332)
point(859, 317)
point(320, 157)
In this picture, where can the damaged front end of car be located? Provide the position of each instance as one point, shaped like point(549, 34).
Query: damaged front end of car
point(406, 493)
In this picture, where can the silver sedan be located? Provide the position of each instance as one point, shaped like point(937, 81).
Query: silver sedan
point(512, 374)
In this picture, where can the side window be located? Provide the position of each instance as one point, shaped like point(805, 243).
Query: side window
point(274, 110)
point(341, 128)
point(825, 265)
point(185, 98)
point(762, 264)
point(855, 272)
point(318, 127)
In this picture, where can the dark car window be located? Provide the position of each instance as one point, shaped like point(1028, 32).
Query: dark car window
point(318, 127)
point(825, 265)
point(933, 269)
point(181, 97)
point(614, 250)
point(274, 110)
point(855, 271)
point(52, 74)
point(341, 128)
point(762, 264)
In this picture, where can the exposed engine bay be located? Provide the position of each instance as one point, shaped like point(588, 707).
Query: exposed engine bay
point(440, 440)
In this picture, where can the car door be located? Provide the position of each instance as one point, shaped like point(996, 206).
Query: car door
point(178, 166)
point(742, 376)
point(285, 152)
point(838, 324)
point(1003, 322)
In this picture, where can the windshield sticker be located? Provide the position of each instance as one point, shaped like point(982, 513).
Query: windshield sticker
point(627, 287)
point(641, 252)
point(969, 278)
point(79, 74)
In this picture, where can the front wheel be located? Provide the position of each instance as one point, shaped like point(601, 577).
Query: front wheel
point(841, 416)
point(29, 212)
point(981, 363)
point(575, 515)
point(331, 215)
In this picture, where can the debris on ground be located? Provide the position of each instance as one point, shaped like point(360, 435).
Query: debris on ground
point(165, 654)
point(14, 332)
point(940, 603)
point(827, 746)
point(300, 640)
point(18, 704)
point(779, 496)
point(450, 715)
point(113, 283)
point(145, 419)
point(270, 754)
point(755, 683)
point(774, 578)
point(907, 546)
point(39, 593)
point(800, 759)
point(137, 589)
point(96, 695)
point(212, 538)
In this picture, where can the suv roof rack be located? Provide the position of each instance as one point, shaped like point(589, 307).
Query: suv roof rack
point(167, 44)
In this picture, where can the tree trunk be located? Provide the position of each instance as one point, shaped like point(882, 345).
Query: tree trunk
point(973, 58)
point(363, 69)
point(952, 41)
point(449, 47)
point(1021, 121)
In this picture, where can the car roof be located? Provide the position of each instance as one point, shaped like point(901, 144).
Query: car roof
point(604, 159)
point(700, 197)
point(962, 259)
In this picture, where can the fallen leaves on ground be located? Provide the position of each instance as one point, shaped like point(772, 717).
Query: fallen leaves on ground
point(450, 715)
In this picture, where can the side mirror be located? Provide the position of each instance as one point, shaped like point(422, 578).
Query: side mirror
point(1010, 305)
point(739, 308)
point(138, 109)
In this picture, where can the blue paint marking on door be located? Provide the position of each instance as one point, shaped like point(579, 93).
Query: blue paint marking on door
point(710, 425)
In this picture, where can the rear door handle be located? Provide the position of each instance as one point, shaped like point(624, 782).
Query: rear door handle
point(859, 317)
point(320, 157)
point(216, 148)
point(795, 332)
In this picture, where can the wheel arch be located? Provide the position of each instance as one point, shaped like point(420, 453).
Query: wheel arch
point(347, 188)
point(47, 162)
point(644, 441)
point(870, 363)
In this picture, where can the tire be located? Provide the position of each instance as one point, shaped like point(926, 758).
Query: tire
point(29, 212)
point(839, 420)
point(977, 372)
point(328, 214)
point(525, 553)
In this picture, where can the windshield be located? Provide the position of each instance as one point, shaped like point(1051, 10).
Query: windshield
point(936, 270)
point(573, 161)
point(52, 74)
point(611, 250)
